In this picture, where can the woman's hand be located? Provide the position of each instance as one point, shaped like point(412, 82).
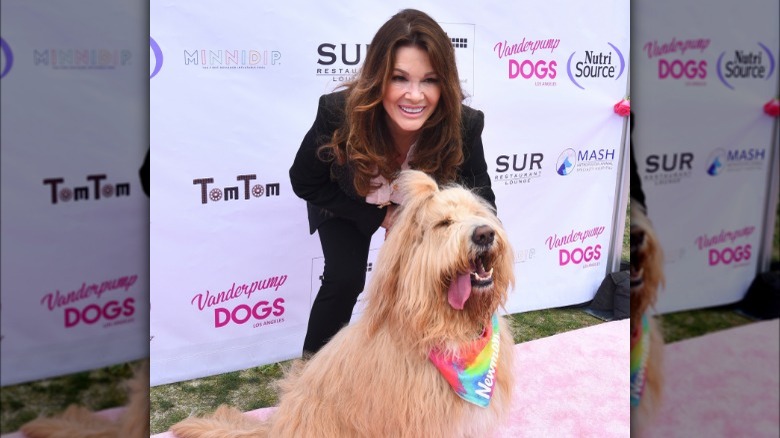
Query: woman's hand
point(389, 220)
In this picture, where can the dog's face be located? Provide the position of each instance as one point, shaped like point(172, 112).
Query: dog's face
point(446, 265)
point(646, 264)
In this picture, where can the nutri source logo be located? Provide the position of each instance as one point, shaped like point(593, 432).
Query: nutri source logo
point(155, 58)
point(735, 160)
point(530, 59)
point(232, 59)
point(727, 248)
point(668, 168)
point(745, 64)
point(233, 193)
point(680, 60)
point(86, 305)
point(82, 58)
point(6, 58)
point(96, 189)
point(595, 64)
point(339, 62)
point(578, 247)
point(518, 168)
point(584, 160)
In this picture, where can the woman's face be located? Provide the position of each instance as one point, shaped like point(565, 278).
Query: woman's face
point(412, 94)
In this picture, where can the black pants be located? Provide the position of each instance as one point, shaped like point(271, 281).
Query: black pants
point(346, 253)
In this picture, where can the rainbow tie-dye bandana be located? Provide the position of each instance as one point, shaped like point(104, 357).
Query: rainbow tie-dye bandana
point(472, 375)
point(639, 362)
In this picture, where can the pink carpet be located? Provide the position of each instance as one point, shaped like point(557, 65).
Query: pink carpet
point(723, 384)
point(571, 384)
point(112, 414)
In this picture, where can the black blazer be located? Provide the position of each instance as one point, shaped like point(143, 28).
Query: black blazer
point(311, 177)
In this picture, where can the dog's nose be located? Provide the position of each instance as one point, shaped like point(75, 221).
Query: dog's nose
point(483, 235)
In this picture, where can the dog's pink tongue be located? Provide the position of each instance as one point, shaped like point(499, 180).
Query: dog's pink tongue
point(459, 292)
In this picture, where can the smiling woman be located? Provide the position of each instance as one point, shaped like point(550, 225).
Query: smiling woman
point(403, 110)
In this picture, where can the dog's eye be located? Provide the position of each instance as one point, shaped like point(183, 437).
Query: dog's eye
point(444, 223)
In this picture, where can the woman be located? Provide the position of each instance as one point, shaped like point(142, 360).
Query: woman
point(403, 110)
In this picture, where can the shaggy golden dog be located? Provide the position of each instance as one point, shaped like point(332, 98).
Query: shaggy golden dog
point(646, 275)
point(443, 272)
point(80, 422)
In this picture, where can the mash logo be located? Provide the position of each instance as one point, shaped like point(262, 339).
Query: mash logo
point(518, 168)
point(96, 189)
point(233, 58)
point(668, 168)
point(745, 64)
point(584, 160)
point(155, 57)
point(541, 68)
point(234, 193)
point(680, 59)
point(734, 160)
point(727, 248)
point(6, 58)
point(595, 64)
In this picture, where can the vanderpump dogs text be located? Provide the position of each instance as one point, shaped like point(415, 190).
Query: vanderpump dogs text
point(115, 311)
point(586, 254)
point(541, 67)
point(227, 312)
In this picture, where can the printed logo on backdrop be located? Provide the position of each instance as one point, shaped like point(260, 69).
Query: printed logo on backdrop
point(578, 248)
point(155, 57)
point(585, 160)
point(738, 65)
point(6, 58)
point(103, 303)
point(595, 65)
point(339, 62)
point(530, 60)
point(671, 168)
point(254, 304)
point(82, 58)
point(517, 169)
point(246, 189)
point(680, 60)
point(727, 248)
point(525, 255)
point(95, 189)
point(318, 269)
point(232, 58)
point(735, 160)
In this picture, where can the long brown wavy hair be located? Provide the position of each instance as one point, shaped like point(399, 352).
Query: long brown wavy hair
point(363, 142)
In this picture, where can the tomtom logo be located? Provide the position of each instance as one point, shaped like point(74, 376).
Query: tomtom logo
point(595, 65)
point(735, 160)
point(156, 61)
point(232, 59)
point(745, 65)
point(7, 60)
point(233, 193)
point(83, 193)
point(566, 162)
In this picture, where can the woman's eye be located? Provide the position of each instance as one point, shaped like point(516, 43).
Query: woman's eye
point(399, 79)
point(432, 80)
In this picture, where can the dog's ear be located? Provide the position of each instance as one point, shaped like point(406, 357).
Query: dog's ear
point(414, 184)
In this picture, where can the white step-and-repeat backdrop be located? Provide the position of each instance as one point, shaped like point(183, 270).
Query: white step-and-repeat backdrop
point(703, 145)
point(235, 87)
point(74, 224)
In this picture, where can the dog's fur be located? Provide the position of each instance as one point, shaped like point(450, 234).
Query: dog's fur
point(646, 278)
point(374, 378)
point(80, 422)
